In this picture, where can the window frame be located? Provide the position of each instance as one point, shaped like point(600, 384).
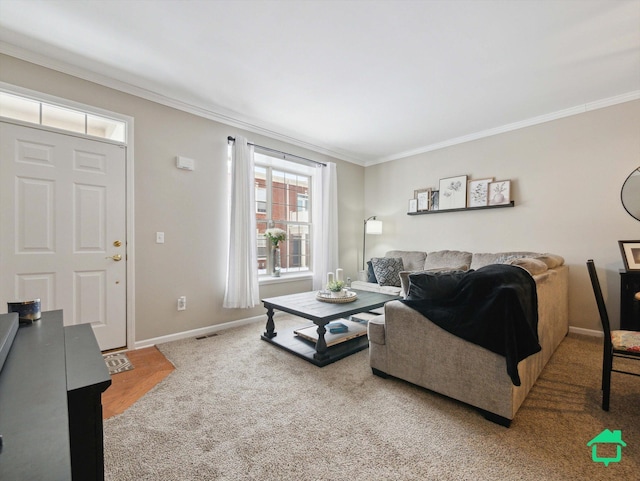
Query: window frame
point(270, 162)
point(51, 116)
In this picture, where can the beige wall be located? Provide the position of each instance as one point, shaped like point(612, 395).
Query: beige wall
point(566, 180)
point(189, 207)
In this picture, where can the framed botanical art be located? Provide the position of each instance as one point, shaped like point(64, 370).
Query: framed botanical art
point(500, 192)
point(413, 205)
point(478, 192)
point(423, 197)
point(630, 250)
point(453, 192)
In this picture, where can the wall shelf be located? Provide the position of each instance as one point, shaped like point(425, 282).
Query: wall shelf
point(500, 206)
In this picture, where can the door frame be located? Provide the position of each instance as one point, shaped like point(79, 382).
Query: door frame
point(129, 180)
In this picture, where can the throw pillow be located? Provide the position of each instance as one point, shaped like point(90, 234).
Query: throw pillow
point(404, 276)
point(433, 285)
point(387, 270)
point(371, 276)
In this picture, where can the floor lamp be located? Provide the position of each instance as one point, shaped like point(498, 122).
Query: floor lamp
point(371, 226)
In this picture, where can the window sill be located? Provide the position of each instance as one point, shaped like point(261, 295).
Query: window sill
point(298, 276)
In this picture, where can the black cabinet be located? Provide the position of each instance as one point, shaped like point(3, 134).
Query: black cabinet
point(87, 378)
point(50, 403)
point(629, 306)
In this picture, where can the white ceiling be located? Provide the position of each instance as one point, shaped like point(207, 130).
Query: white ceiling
point(365, 81)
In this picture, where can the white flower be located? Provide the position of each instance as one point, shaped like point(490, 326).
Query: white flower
point(275, 235)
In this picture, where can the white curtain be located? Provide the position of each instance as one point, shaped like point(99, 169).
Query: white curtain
point(242, 267)
point(325, 224)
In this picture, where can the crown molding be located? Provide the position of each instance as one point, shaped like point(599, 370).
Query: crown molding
point(234, 119)
point(580, 109)
point(230, 119)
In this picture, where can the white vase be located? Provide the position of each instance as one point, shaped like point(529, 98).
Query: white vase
point(340, 293)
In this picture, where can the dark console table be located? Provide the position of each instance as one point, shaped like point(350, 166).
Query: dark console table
point(50, 396)
point(629, 306)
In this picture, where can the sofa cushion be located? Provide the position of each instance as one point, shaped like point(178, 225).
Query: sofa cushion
point(387, 270)
point(450, 259)
point(484, 259)
point(404, 276)
point(374, 287)
point(433, 285)
point(411, 260)
point(531, 265)
point(552, 260)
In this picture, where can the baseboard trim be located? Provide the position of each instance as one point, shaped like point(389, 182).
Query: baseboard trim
point(585, 332)
point(203, 331)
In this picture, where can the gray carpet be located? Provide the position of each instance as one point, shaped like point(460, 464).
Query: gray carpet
point(238, 408)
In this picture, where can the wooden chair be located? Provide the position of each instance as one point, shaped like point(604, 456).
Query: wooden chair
point(623, 344)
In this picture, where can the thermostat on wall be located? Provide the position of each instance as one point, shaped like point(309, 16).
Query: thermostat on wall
point(185, 163)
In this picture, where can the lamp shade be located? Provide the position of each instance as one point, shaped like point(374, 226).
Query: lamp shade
point(374, 227)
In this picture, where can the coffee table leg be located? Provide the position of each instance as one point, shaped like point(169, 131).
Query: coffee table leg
point(270, 332)
point(321, 344)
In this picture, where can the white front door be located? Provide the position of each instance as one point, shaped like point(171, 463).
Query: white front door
point(63, 227)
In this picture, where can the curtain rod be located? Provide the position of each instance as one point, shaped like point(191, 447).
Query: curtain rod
point(232, 139)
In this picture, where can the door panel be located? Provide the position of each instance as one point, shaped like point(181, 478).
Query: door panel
point(34, 213)
point(40, 285)
point(63, 226)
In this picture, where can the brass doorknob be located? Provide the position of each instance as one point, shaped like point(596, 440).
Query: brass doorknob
point(116, 258)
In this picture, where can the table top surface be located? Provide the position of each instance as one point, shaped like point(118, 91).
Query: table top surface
point(306, 305)
point(34, 419)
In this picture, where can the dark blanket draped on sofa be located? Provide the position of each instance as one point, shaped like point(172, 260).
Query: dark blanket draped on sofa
point(495, 307)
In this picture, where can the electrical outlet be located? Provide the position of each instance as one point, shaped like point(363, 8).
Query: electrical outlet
point(182, 303)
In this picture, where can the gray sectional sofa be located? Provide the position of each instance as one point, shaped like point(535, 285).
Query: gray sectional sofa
point(405, 344)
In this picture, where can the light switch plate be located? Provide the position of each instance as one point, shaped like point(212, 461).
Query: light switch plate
point(159, 237)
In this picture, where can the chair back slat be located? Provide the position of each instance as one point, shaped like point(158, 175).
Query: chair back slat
point(602, 308)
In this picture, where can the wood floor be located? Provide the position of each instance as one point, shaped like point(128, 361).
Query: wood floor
point(149, 368)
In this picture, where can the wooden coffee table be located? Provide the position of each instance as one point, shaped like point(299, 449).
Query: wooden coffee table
point(306, 305)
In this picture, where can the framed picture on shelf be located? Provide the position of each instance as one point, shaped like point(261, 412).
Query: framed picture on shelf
point(630, 250)
point(423, 196)
point(435, 200)
point(413, 205)
point(478, 192)
point(453, 192)
point(500, 192)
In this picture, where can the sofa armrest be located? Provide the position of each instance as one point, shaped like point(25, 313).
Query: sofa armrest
point(375, 329)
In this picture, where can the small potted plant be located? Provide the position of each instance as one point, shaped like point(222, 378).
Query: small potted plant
point(336, 288)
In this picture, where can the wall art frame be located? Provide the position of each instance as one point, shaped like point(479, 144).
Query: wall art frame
point(435, 200)
point(630, 250)
point(478, 192)
point(423, 196)
point(453, 192)
point(500, 192)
